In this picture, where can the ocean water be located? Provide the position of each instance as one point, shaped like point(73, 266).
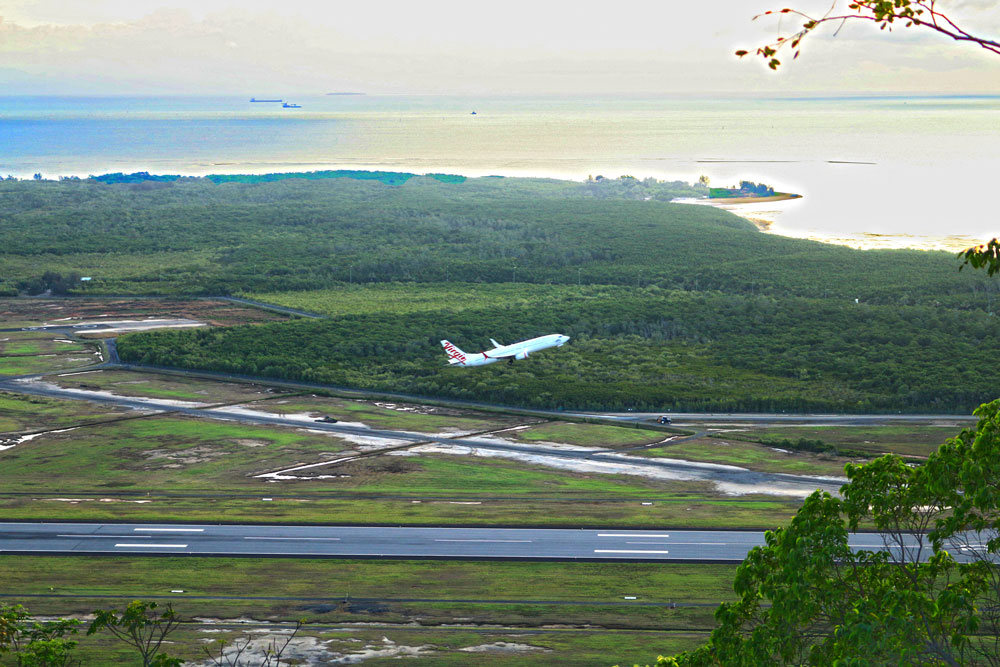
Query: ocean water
point(874, 172)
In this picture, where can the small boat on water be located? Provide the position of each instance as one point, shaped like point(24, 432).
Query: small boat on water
point(254, 99)
point(286, 105)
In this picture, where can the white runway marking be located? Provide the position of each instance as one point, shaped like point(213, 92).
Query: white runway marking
point(107, 537)
point(654, 543)
point(628, 535)
point(154, 546)
point(627, 551)
point(169, 530)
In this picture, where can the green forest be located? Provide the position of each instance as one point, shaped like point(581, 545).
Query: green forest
point(644, 349)
point(670, 306)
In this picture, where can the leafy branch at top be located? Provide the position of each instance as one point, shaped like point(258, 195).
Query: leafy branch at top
point(983, 256)
point(886, 13)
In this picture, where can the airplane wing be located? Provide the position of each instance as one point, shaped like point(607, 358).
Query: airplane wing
point(495, 344)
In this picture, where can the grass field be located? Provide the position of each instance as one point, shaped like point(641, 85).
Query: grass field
point(753, 456)
point(408, 298)
point(44, 363)
point(210, 459)
point(678, 510)
point(588, 435)
point(335, 578)
point(20, 413)
point(902, 439)
point(157, 385)
point(38, 342)
point(41, 310)
point(385, 645)
point(561, 608)
point(387, 415)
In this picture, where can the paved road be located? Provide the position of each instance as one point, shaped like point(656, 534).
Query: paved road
point(385, 542)
point(781, 484)
point(683, 418)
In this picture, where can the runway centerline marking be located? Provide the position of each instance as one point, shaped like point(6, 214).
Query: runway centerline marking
point(627, 551)
point(154, 546)
point(106, 537)
point(169, 530)
point(628, 535)
point(314, 539)
point(457, 540)
point(654, 543)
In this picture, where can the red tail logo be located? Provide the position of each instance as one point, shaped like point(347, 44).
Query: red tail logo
point(454, 352)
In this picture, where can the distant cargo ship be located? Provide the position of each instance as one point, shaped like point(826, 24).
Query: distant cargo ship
point(254, 99)
point(286, 105)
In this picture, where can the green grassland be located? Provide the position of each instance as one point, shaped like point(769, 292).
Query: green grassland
point(403, 416)
point(173, 468)
point(38, 342)
point(902, 439)
point(587, 435)
point(503, 599)
point(21, 413)
point(684, 508)
point(23, 353)
point(338, 578)
point(158, 452)
point(753, 456)
point(149, 385)
point(461, 645)
point(44, 363)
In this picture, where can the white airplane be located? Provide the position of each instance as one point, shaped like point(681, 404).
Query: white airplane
point(500, 352)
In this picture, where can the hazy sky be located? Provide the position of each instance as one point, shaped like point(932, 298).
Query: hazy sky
point(462, 47)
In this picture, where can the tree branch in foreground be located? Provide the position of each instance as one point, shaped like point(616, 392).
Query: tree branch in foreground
point(886, 13)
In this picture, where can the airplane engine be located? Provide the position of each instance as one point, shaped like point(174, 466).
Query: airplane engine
point(521, 355)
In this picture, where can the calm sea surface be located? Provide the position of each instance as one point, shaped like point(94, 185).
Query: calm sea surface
point(874, 172)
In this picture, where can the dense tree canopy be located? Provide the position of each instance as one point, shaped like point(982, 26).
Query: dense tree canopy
point(931, 597)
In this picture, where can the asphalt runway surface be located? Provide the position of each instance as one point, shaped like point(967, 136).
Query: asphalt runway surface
point(385, 542)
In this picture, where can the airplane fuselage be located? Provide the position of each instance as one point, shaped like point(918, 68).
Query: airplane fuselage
point(511, 352)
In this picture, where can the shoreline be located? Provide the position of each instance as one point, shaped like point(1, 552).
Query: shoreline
point(779, 196)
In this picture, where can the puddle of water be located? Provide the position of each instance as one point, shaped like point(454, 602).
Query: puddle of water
point(284, 474)
point(27, 438)
point(695, 471)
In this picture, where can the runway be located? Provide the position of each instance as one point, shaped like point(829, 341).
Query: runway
point(95, 539)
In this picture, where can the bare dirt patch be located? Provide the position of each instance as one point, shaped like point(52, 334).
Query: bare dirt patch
point(505, 647)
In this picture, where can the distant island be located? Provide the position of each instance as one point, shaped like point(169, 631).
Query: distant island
point(346, 93)
point(749, 193)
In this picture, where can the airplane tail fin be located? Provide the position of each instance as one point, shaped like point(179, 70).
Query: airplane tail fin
point(455, 355)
